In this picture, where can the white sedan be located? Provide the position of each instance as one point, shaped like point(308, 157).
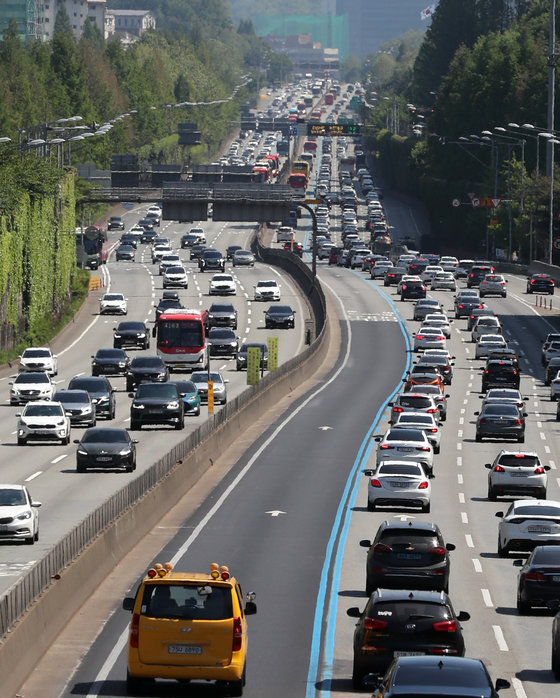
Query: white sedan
point(421, 420)
point(20, 511)
point(444, 281)
point(488, 343)
point(114, 304)
point(29, 386)
point(504, 396)
point(528, 523)
point(429, 273)
point(405, 444)
point(175, 276)
point(429, 338)
point(399, 483)
point(222, 285)
point(438, 320)
point(380, 268)
point(38, 359)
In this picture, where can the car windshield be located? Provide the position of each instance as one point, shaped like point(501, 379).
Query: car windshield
point(175, 270)
point(411, 418)
point(405, 435)
point(186, 386)
point(212, 254)
point(110, 354)
point(105, 436)
point(89, 384)
point(221, 308)
point(399, 469)
point(454, 677)
point(159, 390)
point(12, 498)
point(43, 410)
point(35, 353)
point(279, 310)
point(32, 378)
point(218, 333)
point(503, 393)
point(113, 297)
point(433, 360)
point(266, 284)
point(202, 377)
point(243, 253)
point(501, 411)
point(222, 277)
point(519, 460)
point(147, 362)
point(131, 326)
point(68, 396)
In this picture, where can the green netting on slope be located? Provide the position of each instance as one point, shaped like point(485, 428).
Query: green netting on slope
point(331, 31)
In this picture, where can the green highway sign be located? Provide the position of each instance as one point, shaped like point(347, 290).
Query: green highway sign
point(343, 128)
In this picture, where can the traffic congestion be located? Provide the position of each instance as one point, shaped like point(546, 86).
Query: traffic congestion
point(397, 520)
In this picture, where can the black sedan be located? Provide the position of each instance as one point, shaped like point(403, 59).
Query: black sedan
point(407, 555)
point(125, 253)
point(231, 250)
point(222, 314)
point(166, 304)
point(146, 369)
point(157, 403)
point(78, 404)
point(403, 622)
point(101, 392)
point(279, 316)
point(241, 359)
point(106, 447)
point(131, 334)
point(109, 362)
point(538, 581)
point(223, 342)
point(504, 421)
point(430, 677)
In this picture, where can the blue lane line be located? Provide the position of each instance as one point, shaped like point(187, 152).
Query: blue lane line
point(342, 524)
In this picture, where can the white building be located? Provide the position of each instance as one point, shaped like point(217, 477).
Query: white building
point(77, 10)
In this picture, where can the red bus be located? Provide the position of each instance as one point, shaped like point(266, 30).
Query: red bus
point(262, 173)
point(297, 180)
point(329, 98)
point(310, 146)
point(181, 339)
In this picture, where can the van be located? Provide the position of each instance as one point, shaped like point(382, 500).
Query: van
point(188, 626)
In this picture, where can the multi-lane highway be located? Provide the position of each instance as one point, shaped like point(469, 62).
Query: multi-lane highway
point(289, 514)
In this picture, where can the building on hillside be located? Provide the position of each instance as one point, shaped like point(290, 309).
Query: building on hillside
point(23, 12)
point(307, 56)
point(129, 23)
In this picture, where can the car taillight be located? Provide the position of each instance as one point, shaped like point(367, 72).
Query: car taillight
point(134, 623)
point(422, 448)
point(403, 287)
point(499, 469)
point(534, 576)
point(382, 548)
point(237, 634)
point(423, 288)
point(375, 483)
point(459, 306)
point(515, 373)
point(423, 485)
point(397, 409)
point(486, 371)
point(432, 410)
point(446, 626)
point(539, 470)
point(374, 624)
point(482, 421)
point(438, 551)
point(485, 282)
point(420, 336)
point(518, 421)
point(433, 431)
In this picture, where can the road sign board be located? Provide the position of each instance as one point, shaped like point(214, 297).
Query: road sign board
point(496, 202)
point(475, 202)
point(456, 202)
point(313, 201)
point(343, 128)
point(556, 243)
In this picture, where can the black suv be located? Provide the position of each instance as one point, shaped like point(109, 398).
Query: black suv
point(146, 369)
point(413, 289)
point(166, 304)
point(115, 223)
point(157, 403)
point(188, 240)
point(500, 374)
point(222, 341)
point(540, 283)
point(131, 334)
point(407, 555)
point(477, 274)
point(404, 621)
point(211, 259)
point(101, 392)
point(222, 315)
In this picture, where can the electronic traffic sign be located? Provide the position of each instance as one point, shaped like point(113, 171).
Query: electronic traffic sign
point(316, 129)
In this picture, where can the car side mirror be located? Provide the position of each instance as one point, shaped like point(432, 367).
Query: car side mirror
point(368, 472)
point(477, 413)
point(547, 467)
point(76, 441)
point(499, 514)
point(463, 616)
point(18, 414)
point(518, 562)
point(488, 466)
point(130, 394)
point(447, 395)
point(502, 683)
point(450, 546)
point(431, 476)
point(365, 543)
point(128, 603)
point(354, 612)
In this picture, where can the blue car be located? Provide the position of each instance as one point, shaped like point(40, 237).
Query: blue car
point(191, 398)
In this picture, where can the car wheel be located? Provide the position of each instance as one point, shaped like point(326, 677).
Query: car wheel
point(30, 541)
point(235, 688)
point(180, 425)
point(491, 493)
point(523, 608)
point(541, 494)
point(36, 536)
point(478, 437)
point(21, 441)
point(426, 508)
point(135, 684)
point(370, 505)
point(553, 398)
point(80, 468)
point(370, 586)
point(357, 676)
point(436, 449)
point(66, 440)
point(135, 425)
point(521, 439)
point(129, 386)
point(130, 468)
point(197, 413)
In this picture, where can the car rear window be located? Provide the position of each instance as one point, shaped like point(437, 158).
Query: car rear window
point(548, 555)
point(520, 460)
point(405, 435)
point(399, 469)
point(189, 601)
point(397, 611)
point(537, 511)
point(419, 402)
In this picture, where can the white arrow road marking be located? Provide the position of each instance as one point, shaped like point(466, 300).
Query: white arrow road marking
point(325, 428)
point(276, 512)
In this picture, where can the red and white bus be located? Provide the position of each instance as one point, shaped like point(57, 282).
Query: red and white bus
point(297, 180)
point(181, 339)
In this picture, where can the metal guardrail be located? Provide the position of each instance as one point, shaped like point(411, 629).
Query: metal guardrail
point(19, 597)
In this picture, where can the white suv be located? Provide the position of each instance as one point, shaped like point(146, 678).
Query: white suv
point(38, 359)
point(284, 233)
point(43, 420)
point(267, 290)
point(517, 473)
point(527, 524)
point(114, 304)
